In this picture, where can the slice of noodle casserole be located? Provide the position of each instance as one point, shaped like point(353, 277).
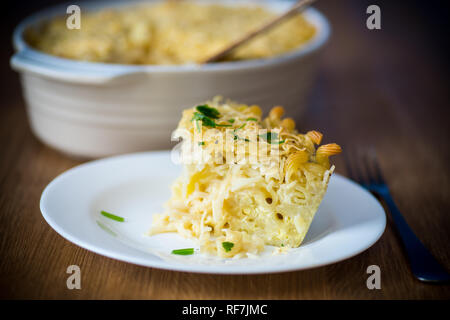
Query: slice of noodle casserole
point(247, 181)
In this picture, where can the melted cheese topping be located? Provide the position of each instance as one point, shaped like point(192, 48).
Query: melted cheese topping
point(170, 32)
point(258, 197)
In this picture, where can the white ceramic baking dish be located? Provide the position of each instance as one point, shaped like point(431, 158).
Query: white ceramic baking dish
point(95, 109)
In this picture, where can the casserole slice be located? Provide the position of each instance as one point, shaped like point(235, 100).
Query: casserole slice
point(247, 181)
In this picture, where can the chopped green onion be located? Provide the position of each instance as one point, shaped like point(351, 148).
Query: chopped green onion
point(206, 121)
point(198, 126)
point(197, 116)
point(282, 245)
point(251, 119)
point(231, 120)
point(207, 115)
point(184, 252)
point(112, 216)
point(270, 137)
point(201, 143)
point(208, 111)
point(227, 246)
point(101, 225)
point(236, 137)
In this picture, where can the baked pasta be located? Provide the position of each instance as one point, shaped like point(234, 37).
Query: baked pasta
point(247, 182)
point(168, 33)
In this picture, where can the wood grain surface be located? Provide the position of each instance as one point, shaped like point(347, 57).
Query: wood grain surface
point(387, 88)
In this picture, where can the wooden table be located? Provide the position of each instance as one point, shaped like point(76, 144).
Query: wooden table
point(386, 88)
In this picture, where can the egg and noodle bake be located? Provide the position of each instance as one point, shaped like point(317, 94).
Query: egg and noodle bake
point(247, 181)
point(170, 32)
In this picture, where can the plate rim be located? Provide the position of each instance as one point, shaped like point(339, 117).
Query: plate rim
point(191, 268)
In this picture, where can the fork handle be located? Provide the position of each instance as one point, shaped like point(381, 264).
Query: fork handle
point(424, 266)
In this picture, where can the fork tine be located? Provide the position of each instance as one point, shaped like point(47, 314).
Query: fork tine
point(368, 165)
point(353, 170)
point(358, 168)
point(377, 175)
point(348, 166)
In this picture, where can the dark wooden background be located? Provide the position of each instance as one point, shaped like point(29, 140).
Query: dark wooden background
point(387, 88)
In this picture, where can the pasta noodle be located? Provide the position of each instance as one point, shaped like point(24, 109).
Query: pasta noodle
point(168, 33)
point(254, 182)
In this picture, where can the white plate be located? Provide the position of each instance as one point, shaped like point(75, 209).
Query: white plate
point(135, 186)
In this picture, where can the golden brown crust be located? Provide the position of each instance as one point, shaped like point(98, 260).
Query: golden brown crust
point(295, 160)
point(276, 112)
point(324, 152)
point(328, 150)
point(315, 136)
point(288, 124)
point(254, 109)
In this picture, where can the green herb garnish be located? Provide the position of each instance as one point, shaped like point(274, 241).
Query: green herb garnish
point(208, 111)
point(184, 252)
point(251, 119)
point(206, 121)
point(227, 246)
point(101, 225)
point(201, 143)
point(271, 138)
point(112, 216)
point(236, 137)
point(198, 125)
point(268, 136)
point(241, 127)
point(231, 120)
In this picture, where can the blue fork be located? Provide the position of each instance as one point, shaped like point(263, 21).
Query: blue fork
point(368, 174)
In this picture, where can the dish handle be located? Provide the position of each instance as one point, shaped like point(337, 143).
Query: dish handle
point(28, 61)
